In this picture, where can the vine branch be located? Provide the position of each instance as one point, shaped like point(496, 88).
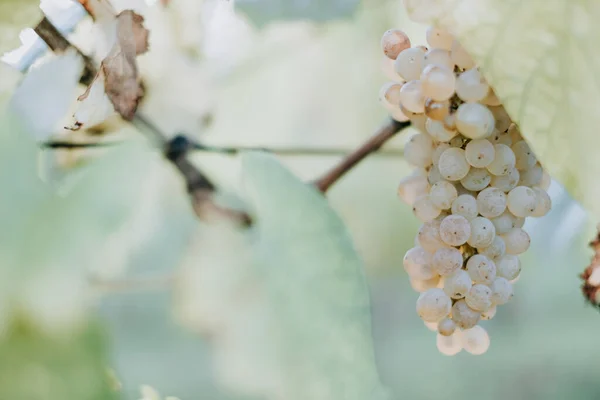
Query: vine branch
point(385, 133)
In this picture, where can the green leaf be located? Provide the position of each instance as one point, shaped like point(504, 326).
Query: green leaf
point(315, 286)
point(16, 15)
point(262, 12)
point(542, 59)
point(34, 366)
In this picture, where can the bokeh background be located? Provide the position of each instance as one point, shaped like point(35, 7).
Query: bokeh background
point(252, 78)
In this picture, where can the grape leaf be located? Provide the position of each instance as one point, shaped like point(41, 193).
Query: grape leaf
point(315, 287)
point(262, 12)
point(542, 60)
point(16, 15)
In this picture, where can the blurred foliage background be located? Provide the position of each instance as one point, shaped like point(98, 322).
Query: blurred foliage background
point(289, 81)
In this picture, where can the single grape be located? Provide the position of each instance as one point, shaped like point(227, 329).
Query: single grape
point(504, 222)
point(417, 120)
point(429, 236)
point(409, 63)
point(543, 203)
point(417, 264)
point(504, 160)
point(442, 194)
point(437, 82)
point(532, 176)
point(503, 121)
point(411, 96)
point(457, 141)
point(502, 291)
point(424, 209)
point(508, 267)
point(413, 186)
point(483, 232)
point(491, 202)
point(477, 179)
point(457, 284)
point(389, 95)
point(450, 123)
point(419, 150)
point(437, 152)
point(438, 57)
point(432, 326)
point(455, 230)
point(521, 201)
point(439, 38)
point(438, 131)
point(446, 261)
point(475, 340)
point(460, 56)
point(495, 250)
point(524, 157)
point(453, 165)
point(449, 345)
point(398, 115)
point(437, 110)
point(498, 137)
point(434, 176)
point(433, 305)
point(517, 241)
point(479, 298)
point(480, 153)
point(546, 181)
point(481, 269)
point(464, 316)
point(393, 42)
point(465, 205)
point(489, 314)
point(446, 327)
point(474, 120)
point(471, 86)
point(422, 285)
point(507, 182)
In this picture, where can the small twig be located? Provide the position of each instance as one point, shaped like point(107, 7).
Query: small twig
point(385, 133)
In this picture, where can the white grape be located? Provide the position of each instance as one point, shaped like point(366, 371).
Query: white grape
point(524, 157)
point(434, 176)
point(476, 179)
point(503, 121)
point(389, 95)
point(418, 151)
point(507, 182)
point(517, 241)
point(480, 153)
point(458, 140)
point(437, 82)
point(417, 264)
point(442, 194)
point(475, 340)
point(499, 137)
point(464, 316)
point(437, 152)
point(439, 57)
point(453, 165)
point(471, 86)
point(438, 38)
point(508, 267)
point(432, 326)
point(518, 222)
point(422, 285)
point(491, 202)
point(438, 131)
point(457, 284)
point(429, 236)
point(504, 160)
point(437, 110)
point(433, 305)
point(412, 187)
point(466, 205)
point(481, 269)
point(417, 120)
point(474, 120)
point(532, 176)
point(460, 56)
point(504, 222)
point(409, 63)
point(483, 232)
point(479, 298)
point(489, 314)
point(446, 327)
point(449, 345)
point(495, 250)
point(424, 209)
point(446, 261)
point(543, 203)
point(502, 291)
point(393, 42)
point(411, 96)
point(546, 181)
point(455, 230)
point(521, 201)
point(397, 114)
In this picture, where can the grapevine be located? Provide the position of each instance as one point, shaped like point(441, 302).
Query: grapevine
point(475, 182)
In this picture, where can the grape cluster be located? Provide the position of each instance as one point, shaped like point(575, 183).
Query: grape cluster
point(475, 182)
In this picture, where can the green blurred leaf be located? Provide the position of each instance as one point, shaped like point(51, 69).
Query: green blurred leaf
point(315, 287)
point(542, 59)
point(262, 12)
point(34, 366)
point(16, 15)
